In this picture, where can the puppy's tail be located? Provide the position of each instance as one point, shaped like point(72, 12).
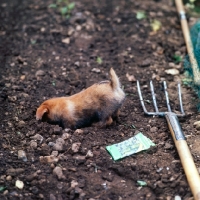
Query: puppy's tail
point(115, 84)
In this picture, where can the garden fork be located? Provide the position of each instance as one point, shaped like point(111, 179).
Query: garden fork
point(178, 136)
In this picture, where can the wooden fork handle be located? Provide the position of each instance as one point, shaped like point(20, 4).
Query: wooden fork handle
point(188, 42)
point(187, 161)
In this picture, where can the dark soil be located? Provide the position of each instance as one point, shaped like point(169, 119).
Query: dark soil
point(45, 55)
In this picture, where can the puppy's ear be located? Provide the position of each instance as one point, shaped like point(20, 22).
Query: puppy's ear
point(41, 111)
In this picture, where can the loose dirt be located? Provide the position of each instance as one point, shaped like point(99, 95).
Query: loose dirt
point(45, 55)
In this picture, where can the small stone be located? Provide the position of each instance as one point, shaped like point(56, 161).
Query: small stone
point(35, 190)
point(33, 144)
point(78, 131)
point(12, 98)
point(19, 184)
point(131, 78)
point(97, 70)
point(52, 197)
point(66, 40)
point(31, 177)
point(109, 177)
point(77, 63)
point(76, 146)
point(5, 192)
point(79, 159)
point(172, 71)
point(89, 154)
point(60, 140)
point(74, 183)
point(22, 77)
point(40, 73)
point(171, 65)
point(54, 153)
point(67, 130)
point(37, 137)
point(14, 193)
point(60, 185)
point(51, 144)
point(168, 146)
point(197, 125)
point(58, 172)
point(48, 159)
point(14, 172)
point(42, 29)
point(154, 129)
point(65, 136)
point(70, 31)
point(57, 130)
point(22, 155)
point(177, 197)
point(52, 165)
point(41, 196)
point(145, 63)
point(160, 184)
point(12, 64)
point(21, 123)
point(9, 178)
point(78, 190)
point(73, 169)
point(78, 27)
point(58, 147)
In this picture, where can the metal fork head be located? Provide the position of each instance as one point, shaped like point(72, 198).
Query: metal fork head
point(155, 102)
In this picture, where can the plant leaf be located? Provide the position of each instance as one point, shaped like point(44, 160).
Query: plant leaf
point(71, 6)
point(2, 188)
point(99, 60)
point(141, 15)
point(177, 58)
point(64, 10)
point(53, 5)
point(155, 25)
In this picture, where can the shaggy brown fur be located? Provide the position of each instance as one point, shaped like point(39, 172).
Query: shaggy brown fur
point(98, 103)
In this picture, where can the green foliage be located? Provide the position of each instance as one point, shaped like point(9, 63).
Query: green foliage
point(177, 58)
point(99, 60)
point(64, 7)
point(193, 5)
point(2, 188)
point(53, 5)
point(141, 15)
point(33, 41)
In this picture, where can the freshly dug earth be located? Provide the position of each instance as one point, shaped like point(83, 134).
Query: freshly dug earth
point(45, 55)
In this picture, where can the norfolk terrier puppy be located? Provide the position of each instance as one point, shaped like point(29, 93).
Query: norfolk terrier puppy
point(99, 104)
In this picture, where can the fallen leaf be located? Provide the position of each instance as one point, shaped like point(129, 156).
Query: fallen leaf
point(155, 25)
point(99, 60)
point(141, 15)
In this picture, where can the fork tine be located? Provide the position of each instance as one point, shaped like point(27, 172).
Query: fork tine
point(167, 96)
point(180, 99)
point(141, 98)
point(154, 97)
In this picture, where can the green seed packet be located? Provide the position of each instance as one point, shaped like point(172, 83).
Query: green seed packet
point(128, 147)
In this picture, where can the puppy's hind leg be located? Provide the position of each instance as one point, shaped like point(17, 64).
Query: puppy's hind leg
point(103, 123)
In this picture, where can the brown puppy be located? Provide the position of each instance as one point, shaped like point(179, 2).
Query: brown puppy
point(98, 103)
